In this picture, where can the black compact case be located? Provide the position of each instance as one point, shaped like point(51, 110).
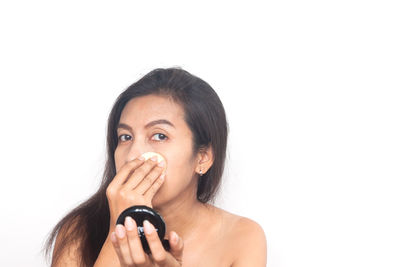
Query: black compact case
point(141, 213)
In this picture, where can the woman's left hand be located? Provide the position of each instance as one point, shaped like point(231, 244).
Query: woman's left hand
point(130, 252)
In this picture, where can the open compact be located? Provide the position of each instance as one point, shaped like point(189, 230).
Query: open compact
point(141, 213)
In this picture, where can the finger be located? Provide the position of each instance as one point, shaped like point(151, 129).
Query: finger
point(147, 182)
point(122, 246)
point(115, 243)
point(137, 176)
point(176, 244)
point(135, 245)
point(158, 253)
point(149, 194)
point(124, 172)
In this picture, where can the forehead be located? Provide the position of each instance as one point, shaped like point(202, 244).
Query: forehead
point(140, 110)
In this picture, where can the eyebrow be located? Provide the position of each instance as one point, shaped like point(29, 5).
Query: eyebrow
point(152, 123)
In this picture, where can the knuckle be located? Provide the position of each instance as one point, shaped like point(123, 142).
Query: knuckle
point(160, 257)
point(132, 233)
point(131, 165)
point(157, 171)
point(130, 199)
point(140, 172)
point(139, 260)
point(127, 195)
point(160, 168)
point(134, 162)
point(128, 262)
point(148, 180)
point(154, 175)
point(110, 191)
point(123, 194)
point(128, 166)
point(151, 164)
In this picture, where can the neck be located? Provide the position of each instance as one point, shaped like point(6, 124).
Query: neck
point(182, 214)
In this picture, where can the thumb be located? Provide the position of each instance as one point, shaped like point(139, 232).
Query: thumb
point(176, 246)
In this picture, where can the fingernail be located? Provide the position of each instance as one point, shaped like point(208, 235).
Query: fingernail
point(113, 237)
point(162, 176)
point(175, 238)
point(161, 163)
point(129, 223)
point(120, 231)
point(148, 227)
point(141, 158)
point(154, 158)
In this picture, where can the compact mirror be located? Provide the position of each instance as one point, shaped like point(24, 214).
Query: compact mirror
point(141, 213)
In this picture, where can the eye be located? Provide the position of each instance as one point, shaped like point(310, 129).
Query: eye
point(123, 135)
point(161, 136)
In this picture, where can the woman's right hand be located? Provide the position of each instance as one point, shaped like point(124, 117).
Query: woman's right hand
point(134, 184)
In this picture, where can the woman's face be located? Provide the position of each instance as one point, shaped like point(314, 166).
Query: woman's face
point(173, 141)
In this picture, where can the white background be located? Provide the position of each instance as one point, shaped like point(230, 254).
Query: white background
point(310, 88)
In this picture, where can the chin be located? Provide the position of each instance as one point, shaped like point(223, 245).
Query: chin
point(157, 201)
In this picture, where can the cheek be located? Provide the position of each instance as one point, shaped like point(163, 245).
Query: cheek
point(179, 171)
point(179, 161)
point(118, 159)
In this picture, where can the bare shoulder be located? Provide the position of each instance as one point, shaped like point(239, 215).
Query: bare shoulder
point(239, 226)
point(245, 238)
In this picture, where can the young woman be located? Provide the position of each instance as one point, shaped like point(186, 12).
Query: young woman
point(178, 115)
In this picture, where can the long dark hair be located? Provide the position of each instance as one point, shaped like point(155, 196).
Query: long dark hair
point(205, 116)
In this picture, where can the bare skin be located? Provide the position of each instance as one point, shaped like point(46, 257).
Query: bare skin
point(199, 234)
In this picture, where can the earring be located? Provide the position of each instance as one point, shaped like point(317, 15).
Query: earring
point(201, 173)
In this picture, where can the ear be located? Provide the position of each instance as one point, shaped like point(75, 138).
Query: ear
point(205, 159)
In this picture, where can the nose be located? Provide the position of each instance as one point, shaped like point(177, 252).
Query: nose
point(137, 148)
point(134, 153)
